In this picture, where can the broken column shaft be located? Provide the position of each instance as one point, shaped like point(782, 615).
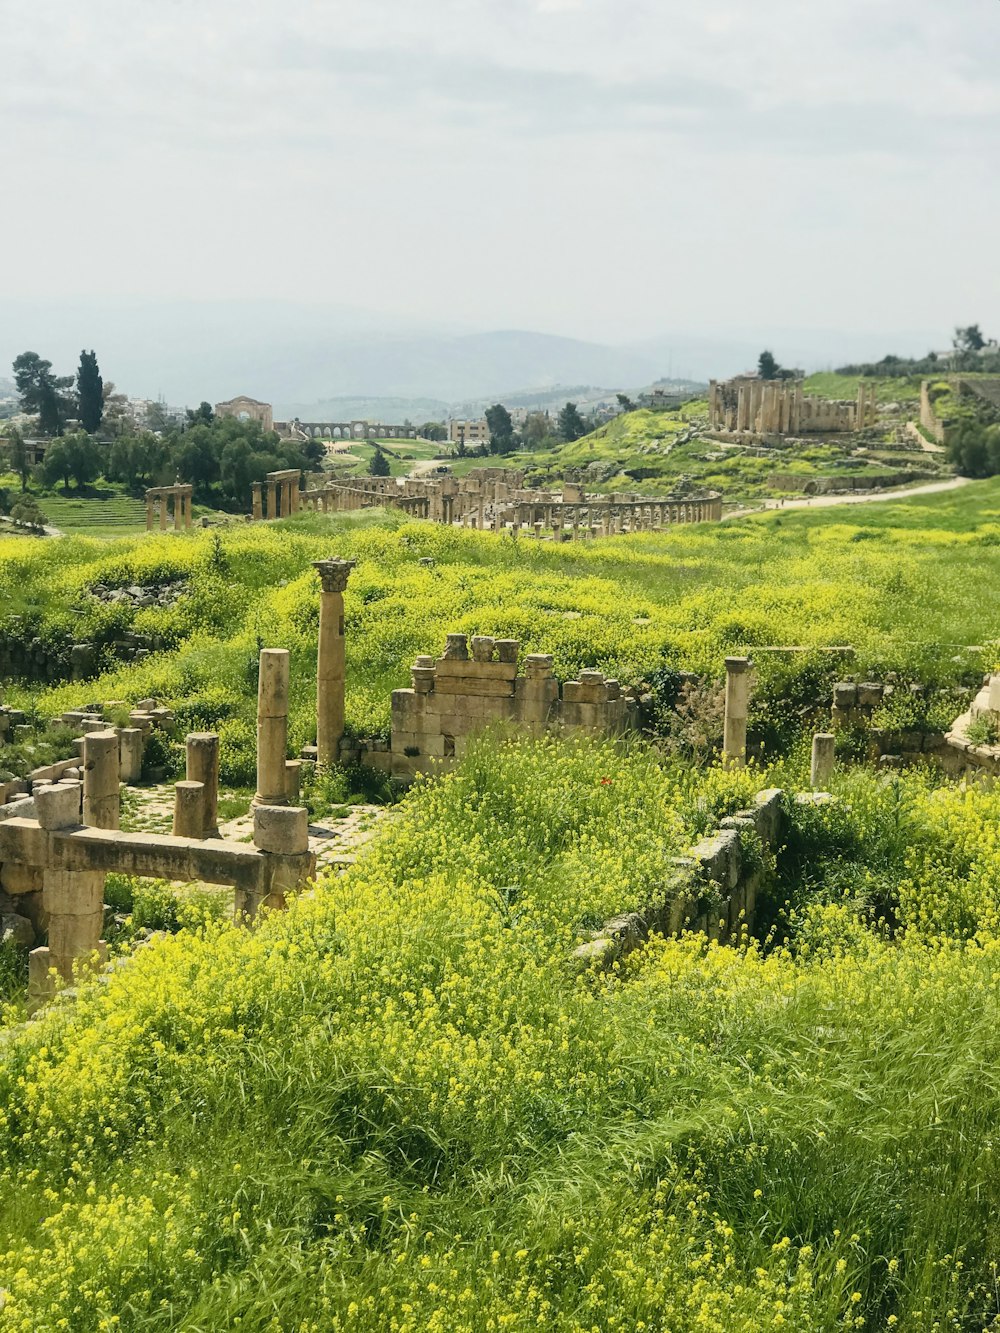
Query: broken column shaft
point(330, 659)
point(734, 745)
point(272, 727)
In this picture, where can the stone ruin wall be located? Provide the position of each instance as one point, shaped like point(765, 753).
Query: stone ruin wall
point(455, 696)
point(761, 408)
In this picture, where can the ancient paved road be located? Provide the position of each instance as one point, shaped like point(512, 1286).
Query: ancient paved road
point(865, 497)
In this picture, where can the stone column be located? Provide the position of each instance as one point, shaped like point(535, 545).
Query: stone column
point(734, 746)
point(149, 514)
point(282, 833)
point(175, 496)
point(272, 499)
point(202, 766)
point(188, 509)
point(130, 741)
point(257, 501)
point(73, 901)
point(822, 761)
point(189, 810)
point(101, 776)
point(330, 659)
point(272, 726)
point(162, 501)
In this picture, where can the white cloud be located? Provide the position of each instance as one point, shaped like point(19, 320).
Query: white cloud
point(564, 163)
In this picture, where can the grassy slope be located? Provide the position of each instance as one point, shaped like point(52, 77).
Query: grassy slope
point(395, 1108)
point(895, 579)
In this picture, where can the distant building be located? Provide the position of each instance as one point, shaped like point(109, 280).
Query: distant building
point(471, 434)
point(663, 400)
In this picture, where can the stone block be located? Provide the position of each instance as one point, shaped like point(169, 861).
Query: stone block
point(507, 651)
point(457, 647)
point(72, 937)
point(448, 669)
point(281, 828)
point(869, 694)
point(845, 695)
point(538, 665)
point(72, 894)
point(59, 805)
point(719, 857)
point(767, 815)
point(474, 686)
point(18, 879)
point(483, 648)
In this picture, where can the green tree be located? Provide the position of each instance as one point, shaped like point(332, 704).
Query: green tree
point(378, 465)
point(25, 511)
point(969, 339)
point(90, 393)
point(767, 366)
point(625, 402)
point(138, 459)
point(202, 415)
point(501, 427)
point(571, 424)
point(433, 430)
point(42, 393)
point(17, 455)
point(537, 429)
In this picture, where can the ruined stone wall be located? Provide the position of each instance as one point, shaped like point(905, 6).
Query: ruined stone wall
point(780, 407)
point(455, 696)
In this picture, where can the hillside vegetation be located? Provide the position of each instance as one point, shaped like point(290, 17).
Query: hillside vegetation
point(891, 579)
point(397, 1107)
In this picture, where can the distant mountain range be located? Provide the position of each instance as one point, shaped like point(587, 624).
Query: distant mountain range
point(305, 358)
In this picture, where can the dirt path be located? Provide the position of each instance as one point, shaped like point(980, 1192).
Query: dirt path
point(864, 497)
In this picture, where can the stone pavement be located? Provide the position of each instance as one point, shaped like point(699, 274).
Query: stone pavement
point(336, 838)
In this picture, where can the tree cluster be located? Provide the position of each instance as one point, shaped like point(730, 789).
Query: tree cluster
point(56, 399)
point(970, 350)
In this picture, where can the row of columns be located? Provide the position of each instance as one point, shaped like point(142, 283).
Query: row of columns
point(283, 498)
point(780, 407)
point(180, 497)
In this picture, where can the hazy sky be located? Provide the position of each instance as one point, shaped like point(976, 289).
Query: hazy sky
point(601, 168)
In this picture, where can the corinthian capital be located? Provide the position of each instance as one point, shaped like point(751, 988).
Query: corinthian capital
point(334, 573)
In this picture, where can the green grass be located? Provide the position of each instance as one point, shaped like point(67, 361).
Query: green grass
point(901, 581)
point(397, 1107)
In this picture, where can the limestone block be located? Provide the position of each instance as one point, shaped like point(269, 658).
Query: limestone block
point(281, 828)
point(458, 669)
point(719, 857)
point(69, 893)
point(613, 688)
point(840, 717)
point(457, 647)
point(58, 806)
point(767, 815)
point(72, 937)
point(571, 692)
point(131, 743)
point(473, 686)
point(596, 954)
point(538, 664)
point(869, 694)
point(434, 747)
point(507, 651)
point(424, 679)
point(845, 695)
point(483, 647)
point(18, 879)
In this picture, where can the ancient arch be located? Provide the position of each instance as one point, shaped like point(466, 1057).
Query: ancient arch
point(247, 409)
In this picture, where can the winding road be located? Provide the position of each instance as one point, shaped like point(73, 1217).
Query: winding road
point(863, 497)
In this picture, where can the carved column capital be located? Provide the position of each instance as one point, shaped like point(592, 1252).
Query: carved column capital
point(334, 573)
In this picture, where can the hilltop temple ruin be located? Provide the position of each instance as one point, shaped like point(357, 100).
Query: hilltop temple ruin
point(749, 406)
